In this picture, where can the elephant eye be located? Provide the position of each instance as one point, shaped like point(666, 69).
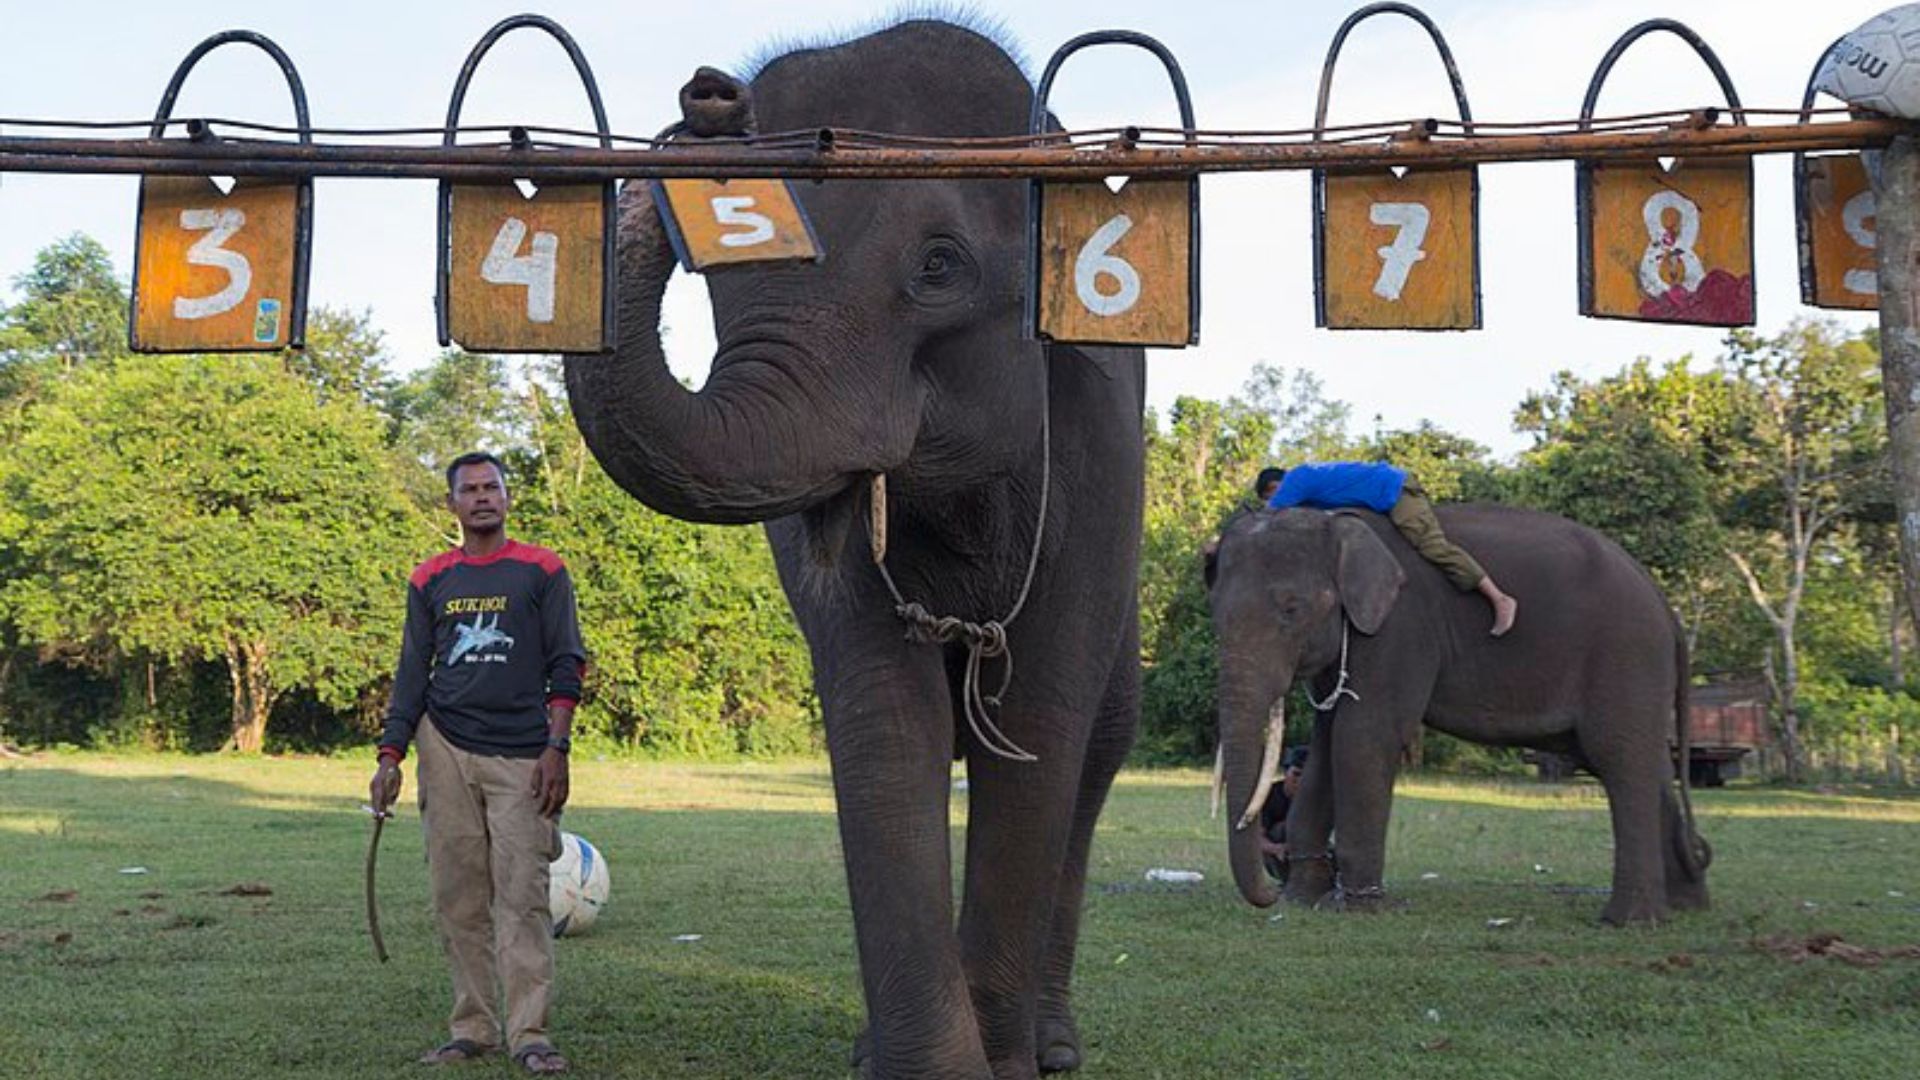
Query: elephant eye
point(944, 272)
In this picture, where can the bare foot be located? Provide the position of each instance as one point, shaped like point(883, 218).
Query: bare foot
point(1504, 609)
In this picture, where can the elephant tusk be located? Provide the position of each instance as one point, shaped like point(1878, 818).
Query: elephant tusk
point(1269, 762)
point(1219, 786)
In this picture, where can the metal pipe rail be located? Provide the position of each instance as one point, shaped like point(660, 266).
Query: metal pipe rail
point(830, 155)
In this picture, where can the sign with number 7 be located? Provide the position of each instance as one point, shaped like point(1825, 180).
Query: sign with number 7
point(1397, 252)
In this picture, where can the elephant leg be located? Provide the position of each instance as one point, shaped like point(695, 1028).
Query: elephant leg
point(1056, 1037)
point(1366, 754)
point(889, 730)
point(1634, 795)
point(1310, 822)
point(1020, 815)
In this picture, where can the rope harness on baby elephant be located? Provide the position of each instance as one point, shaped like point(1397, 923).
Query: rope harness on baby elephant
point(1340, 688)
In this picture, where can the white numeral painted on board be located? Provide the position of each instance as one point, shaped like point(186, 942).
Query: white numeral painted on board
point(1670, 259)
point(206, 251)
point(504, 265)
point(1854, 216)
point(735, 210)
point(1093, 261)
point(1410, 220)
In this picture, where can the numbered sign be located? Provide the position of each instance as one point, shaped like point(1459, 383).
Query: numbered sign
point(725, 222)
point(1839, 267)
point(527, 274)
point(215, 272)
point(1668, 245)
point(1116, 268)
point(1397, 252)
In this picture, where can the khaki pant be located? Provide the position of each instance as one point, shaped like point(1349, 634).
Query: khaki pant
point(488, 849)
point(1413, 516)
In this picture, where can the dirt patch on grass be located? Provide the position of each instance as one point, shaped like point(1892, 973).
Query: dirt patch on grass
point(1798, 950)
point(59, 896)
point(248, 888)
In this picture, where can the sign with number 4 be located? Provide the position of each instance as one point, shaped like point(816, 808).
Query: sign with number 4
point(527, 274)
point(727, 222)
point(214, 272)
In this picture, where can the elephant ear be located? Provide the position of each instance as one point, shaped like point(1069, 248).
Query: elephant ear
point(1368, 576)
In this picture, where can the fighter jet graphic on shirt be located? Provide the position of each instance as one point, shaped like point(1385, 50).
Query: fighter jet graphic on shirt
point(477, 636)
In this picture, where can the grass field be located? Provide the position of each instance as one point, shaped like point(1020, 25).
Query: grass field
point(165, 974)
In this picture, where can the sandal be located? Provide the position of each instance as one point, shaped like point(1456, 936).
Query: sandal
point(455, 1051)
point(540, 1058)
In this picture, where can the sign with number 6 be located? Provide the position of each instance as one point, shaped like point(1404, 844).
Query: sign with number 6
point(727, 222)
point(1666, 242)
point(222, 271)
point(1114, 266)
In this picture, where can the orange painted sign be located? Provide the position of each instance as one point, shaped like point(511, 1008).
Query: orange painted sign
point(1115, 267)
point(726, 222)
point(527, 274)
point(214, 272)
point(1669, 245)
point(1398, 252)
point(1839, 267)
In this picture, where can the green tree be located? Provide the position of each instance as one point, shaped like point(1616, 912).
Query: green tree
point(195, 508)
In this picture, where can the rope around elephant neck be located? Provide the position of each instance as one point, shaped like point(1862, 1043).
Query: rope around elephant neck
point(1340, 688)
point(986, 640)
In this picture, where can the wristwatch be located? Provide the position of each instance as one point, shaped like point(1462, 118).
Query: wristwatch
point(560, 743)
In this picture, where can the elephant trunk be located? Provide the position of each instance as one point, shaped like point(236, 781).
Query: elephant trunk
point(730, 453)
point(1250, 762)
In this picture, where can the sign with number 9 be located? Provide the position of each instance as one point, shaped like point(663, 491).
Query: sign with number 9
point(1839, 263)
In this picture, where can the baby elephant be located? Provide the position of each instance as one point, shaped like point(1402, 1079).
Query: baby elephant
point(1597, 670)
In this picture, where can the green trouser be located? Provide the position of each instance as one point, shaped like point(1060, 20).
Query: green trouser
point(1413, 516)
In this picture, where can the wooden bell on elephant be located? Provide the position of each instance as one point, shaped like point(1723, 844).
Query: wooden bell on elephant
point(222, 271)
point(1666, 242)
point(1115, 265)
point(1396, 250)
point(1834, 210)
point(521, 270)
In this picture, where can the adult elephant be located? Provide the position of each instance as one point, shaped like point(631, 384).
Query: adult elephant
point(1595, 668)
point(1006, 462)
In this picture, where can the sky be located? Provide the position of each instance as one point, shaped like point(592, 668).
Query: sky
point(1250, 65)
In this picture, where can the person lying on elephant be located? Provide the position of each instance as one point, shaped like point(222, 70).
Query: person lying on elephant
point(1273, 815)
point(1391, 490)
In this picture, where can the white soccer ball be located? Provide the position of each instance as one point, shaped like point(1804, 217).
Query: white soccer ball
point(577, 886)
point(1877, 65)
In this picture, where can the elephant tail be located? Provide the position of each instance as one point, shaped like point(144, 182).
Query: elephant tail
point(1694, 852)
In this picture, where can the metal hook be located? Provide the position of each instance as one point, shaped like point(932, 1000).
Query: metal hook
point(1037, 125)
point(1394, 8)
point(608, 299)
point(303, 187)
point(1679, 30)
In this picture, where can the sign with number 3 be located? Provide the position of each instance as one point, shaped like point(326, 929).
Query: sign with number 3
point(214, 272)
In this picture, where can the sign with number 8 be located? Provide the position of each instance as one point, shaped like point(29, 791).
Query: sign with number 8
point(1666, 243)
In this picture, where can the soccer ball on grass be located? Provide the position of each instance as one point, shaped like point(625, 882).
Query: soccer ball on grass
point(577, 886)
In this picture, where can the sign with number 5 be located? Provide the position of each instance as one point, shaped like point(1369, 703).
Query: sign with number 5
point(727, 222)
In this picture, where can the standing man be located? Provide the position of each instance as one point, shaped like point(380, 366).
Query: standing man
point(490, 670)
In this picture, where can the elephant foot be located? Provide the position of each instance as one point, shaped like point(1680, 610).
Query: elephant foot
point(1631, 910)
point(1057, 1045)
point(1309, 879)
point(1366, 900)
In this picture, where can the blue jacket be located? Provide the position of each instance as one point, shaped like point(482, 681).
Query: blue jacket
point(1334, 485)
